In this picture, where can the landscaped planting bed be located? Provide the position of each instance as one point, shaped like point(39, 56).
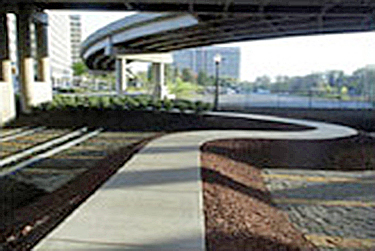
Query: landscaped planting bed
point(21, 143)
point(240, 214)
point(35, 199)
point(239, 211)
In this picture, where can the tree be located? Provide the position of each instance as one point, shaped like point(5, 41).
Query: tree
point(187, 75)
point(79, 69)
point(150, 73)
point(169, 73)
point(203, 79)
point(263, 82)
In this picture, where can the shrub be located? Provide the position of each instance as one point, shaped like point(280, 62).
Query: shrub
point(93, 103)
point(132, 104)
point(158, 104)
point(167, 104)
point(104, 103)
point(142, 102)
point(207, 106)
point(118, 104)
point(181, 106)
point(199, 106)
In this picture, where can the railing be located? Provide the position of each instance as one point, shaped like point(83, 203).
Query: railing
point(301, 99)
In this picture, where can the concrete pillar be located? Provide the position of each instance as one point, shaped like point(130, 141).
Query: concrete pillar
point(121, 75)
point(7, 101)
point(26, 61)
point(4, 49)
point(158, 73)
point(42, 49)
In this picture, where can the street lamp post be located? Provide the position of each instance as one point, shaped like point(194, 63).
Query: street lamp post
point(217, 60)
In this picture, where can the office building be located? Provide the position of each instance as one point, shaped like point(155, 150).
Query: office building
point(60, 49)
point(202, 59)
point(75, 37)
point(11, 22)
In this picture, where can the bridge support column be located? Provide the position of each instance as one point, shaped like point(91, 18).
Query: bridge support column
point(43, 87)
point(26, 61)
point(7, 101)
point(121, 75)
point(42, 49)
point(160, 88)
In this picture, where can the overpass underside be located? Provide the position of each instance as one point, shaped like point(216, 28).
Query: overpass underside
point(227, 21)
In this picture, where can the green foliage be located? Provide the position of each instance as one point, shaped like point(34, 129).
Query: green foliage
point(158, 104)
point(143, 102)
point(187, 75)
point(204, 80)
point(132, 104)
point(181, 106)
point(167, 104)
point(182, 89)
point(79, 68)
point(119, 103)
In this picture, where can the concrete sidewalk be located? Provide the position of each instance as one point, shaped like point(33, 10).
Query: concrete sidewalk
point(155, 201)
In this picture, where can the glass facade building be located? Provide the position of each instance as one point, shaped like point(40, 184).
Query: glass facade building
point(202, 59)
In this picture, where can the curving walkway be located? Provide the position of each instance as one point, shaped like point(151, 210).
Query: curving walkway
point(155, 200)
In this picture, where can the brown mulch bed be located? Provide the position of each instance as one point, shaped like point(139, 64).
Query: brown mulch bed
point(31, 223)
point(239, 212)
point(346, 154)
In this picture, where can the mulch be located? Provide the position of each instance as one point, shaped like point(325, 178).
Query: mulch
point(239, 211)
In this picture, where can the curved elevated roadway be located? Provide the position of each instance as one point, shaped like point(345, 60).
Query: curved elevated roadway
point(192, 23)
point(164, 32)
point(155, 202)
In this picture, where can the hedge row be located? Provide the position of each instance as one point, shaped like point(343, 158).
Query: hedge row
point(120, 103)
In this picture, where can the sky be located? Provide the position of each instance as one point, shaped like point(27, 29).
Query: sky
point(291, 56)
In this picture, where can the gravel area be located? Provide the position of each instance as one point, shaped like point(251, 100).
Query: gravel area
point(21, 143)
point(30, 209)
point(274, 195)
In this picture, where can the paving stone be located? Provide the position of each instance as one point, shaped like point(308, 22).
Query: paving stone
point(348, 222)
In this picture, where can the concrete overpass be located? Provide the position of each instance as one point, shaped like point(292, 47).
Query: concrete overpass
point(186, 23)
point(156, 32)
point(168, 31)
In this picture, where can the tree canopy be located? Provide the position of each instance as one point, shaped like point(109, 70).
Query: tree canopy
point(79, 69)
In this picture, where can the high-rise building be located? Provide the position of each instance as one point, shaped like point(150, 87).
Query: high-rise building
point(202, 59)
point(60, 49)
point(75, 37)
point(11, 19)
